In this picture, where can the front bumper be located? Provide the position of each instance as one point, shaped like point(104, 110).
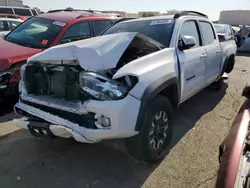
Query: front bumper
point(122, 114)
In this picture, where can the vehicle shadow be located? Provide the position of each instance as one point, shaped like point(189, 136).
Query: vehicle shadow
point(6, 106)
point(243, 54)
point(27, 162)
point(193, 109)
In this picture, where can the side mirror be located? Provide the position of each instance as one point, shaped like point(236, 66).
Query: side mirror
point(187, 42)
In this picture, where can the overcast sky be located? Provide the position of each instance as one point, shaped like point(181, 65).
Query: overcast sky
point(211, 7)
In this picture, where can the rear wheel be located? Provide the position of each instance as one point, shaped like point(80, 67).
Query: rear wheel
point(230, 65)
point(152, 143)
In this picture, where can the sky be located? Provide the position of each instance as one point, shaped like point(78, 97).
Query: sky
point(210, 7)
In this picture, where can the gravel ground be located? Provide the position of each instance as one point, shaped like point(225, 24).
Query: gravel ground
point(201, 124)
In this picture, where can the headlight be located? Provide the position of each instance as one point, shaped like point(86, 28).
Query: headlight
point(101, 87)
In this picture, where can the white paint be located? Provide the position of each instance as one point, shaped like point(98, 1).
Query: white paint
point(121, 114)
point(98, 53)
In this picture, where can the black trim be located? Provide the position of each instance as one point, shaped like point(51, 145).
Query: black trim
point(150, 93)
point(190, 78)
point(189, 13)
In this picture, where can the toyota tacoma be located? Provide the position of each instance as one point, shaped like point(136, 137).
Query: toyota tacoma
point(126, 83)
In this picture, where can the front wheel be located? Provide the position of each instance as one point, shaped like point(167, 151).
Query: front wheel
point(152, 143)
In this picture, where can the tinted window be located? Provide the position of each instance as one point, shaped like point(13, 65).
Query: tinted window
point(100, 26)
point(76, 32)
point(1, 26)
point(34, 12)
point(190, 29)
point(36, 33)
point(12, 24)
point(22, 12)
point(220, 28)
point(159, 30)
point(207, 33)
point(6, 10)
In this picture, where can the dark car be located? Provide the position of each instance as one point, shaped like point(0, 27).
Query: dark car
point(234, 157)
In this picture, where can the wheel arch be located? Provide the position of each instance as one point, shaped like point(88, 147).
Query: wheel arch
point(164, 86)
point(227, 60)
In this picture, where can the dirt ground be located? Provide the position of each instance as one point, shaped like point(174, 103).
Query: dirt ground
point(201, 124)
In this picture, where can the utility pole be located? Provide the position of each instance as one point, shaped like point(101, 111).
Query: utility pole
point(7, 2)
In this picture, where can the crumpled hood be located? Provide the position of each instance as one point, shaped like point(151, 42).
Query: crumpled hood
point(98, 53)
point(11, 53)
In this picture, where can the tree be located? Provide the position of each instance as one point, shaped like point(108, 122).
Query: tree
point(147, 14)
point(69, 8)
point(38, 10)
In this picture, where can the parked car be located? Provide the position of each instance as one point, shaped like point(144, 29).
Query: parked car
point(8, 24)
point(21, 11)
point(234, 152)
point(39, 33)
point(244, 45)
point(225, 32)
point(13, 16)
point(126, 83)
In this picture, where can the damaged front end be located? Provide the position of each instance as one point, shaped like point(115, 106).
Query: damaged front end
point(80, 100)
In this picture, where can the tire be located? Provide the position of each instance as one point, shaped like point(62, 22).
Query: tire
point(230, 65)
point(152, 143)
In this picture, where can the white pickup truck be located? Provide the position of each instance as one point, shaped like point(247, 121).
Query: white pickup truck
point(126, 83)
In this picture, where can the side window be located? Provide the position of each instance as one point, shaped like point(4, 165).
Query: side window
point(34, 12)
point(77, 31)
point(6, 10)
point(100, 25)
point(13, 25)
point(207, 32)
point(22, 12)
point(190, 28)
point(1, 26)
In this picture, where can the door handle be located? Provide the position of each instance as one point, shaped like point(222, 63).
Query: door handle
point(203, 56)
point(218, 51)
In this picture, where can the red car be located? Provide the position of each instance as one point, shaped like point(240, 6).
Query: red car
point(39, 33)
point(234, 170)
point(13, 16)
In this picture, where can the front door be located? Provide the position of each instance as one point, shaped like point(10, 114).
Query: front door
point(213, 50)
point(192, 62)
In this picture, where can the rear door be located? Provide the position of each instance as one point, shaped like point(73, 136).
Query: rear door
point(78, 31)
point(192, 61)
point(100, 25)
point(213, 51)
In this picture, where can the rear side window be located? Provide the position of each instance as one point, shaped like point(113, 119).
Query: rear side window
point(13, 25)
point(2, 26)
point(207, 32)
point(189, 28)
point(6, 10)
point(34, 12)
point(77, 31)
point(22, 12)
point(100, 25)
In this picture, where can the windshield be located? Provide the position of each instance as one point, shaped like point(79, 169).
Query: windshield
point(159, 30)
point(35, 33)
point(220, 28)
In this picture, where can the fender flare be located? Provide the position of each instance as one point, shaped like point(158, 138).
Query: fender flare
point(151, 92)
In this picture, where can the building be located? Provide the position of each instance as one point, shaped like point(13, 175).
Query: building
point(235, 17)
point(122, 13)
point(14, 3)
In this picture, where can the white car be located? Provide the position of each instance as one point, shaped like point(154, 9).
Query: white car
point(8, 24)
point(124, 84)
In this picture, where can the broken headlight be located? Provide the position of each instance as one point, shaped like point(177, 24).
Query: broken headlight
point(101, 87)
